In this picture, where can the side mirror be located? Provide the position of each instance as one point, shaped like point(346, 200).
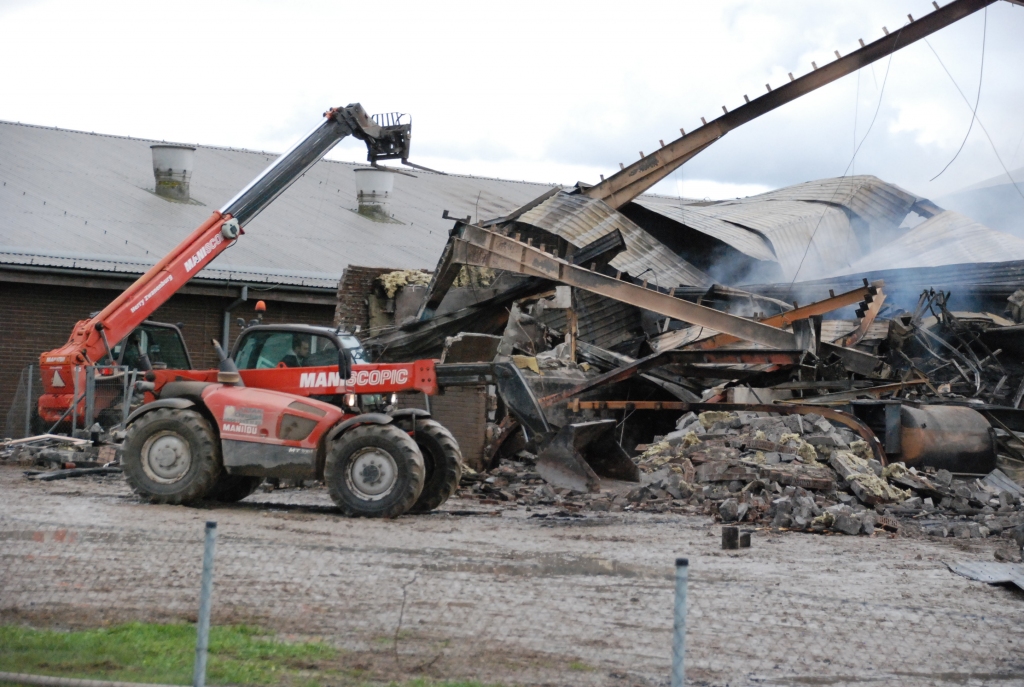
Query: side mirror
point(344, 363)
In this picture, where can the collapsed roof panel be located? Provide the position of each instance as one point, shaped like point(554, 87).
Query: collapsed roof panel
point(809, 230)
point(873, 200)
point(946, 239)
point(741, 238)
point(581, 220)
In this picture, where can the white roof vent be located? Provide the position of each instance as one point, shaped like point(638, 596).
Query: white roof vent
point(374, 188)
point(172, 168)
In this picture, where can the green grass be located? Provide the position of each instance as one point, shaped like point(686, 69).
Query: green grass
point(157, 653)
point(138, 652)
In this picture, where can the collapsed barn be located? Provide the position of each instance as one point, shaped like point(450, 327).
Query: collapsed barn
point(841, 336)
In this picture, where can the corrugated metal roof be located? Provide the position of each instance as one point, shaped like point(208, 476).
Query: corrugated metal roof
point(601, 321)
point(876, 201)
point(945, 239)
point(779, 225)
point(581, 220)
point(741, 238)
point(74, 199)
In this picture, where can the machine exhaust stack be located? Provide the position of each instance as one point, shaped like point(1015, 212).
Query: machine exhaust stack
point(172, 168)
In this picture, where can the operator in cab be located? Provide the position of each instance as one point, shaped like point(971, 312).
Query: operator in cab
point(300, 351)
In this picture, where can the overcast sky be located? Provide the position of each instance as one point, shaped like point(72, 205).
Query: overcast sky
point(543, 91)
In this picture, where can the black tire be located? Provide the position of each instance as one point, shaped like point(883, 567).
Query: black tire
point(442, 459)
point(374, 471)
point(171, 456)
point(233, 488)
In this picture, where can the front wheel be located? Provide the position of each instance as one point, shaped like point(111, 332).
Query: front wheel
point(374, 471)
point(171, 456)
point(443, 461)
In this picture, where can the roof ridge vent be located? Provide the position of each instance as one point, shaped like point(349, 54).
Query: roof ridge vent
point(374, 188)
point(172, 168)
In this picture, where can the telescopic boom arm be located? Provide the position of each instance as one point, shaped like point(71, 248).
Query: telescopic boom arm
point(91, 339)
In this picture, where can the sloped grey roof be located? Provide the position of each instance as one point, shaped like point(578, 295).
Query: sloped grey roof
point(80, 200)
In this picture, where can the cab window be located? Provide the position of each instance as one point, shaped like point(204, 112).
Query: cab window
point(355, 349)
point(263, 350)
point(163, 345)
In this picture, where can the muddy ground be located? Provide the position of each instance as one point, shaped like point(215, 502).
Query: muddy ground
point(515, 596)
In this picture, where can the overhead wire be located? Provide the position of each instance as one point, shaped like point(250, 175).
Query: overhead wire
point(878, 107)
point(980, 123)
point(977, 99)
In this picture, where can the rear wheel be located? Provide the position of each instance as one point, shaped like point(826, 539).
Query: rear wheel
point(171, 456)
point(233, 488)
point(442, 459)
point(374, 471)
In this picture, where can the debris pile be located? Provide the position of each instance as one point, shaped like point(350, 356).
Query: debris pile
point(59, 457)
point(793, 472)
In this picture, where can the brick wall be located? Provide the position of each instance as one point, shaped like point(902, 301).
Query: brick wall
point(35, 318)
point(353, 290)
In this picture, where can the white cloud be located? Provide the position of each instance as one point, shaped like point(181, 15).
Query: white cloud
point(541, 91)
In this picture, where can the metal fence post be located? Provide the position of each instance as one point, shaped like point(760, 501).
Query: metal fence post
point(28, 405)
point(679, 625)
point(74, 399)
point(203, 626)
point(90, 396)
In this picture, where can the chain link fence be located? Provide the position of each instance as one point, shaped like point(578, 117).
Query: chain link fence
point(22, 417)
point(392, 612)
point(103, 395)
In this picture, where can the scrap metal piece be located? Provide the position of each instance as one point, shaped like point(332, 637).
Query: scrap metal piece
point(581, 453)
point(953, 438)
point(992, 573)
point(843, 397)
point(867, 317)
point(673, 339)
point(519, 399)
point(998, 480)
point(741, 357)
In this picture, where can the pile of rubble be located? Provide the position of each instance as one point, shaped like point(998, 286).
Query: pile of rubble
point(795, 472)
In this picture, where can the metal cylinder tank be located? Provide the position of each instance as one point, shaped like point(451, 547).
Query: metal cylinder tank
point(172, 168)
point(953, 438)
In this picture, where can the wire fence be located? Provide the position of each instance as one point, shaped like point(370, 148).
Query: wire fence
point(398, 613)
point(22, 417)
point(102, 395)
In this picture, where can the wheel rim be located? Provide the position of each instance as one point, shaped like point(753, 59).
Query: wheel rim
point(166, 457)
point(372, 473)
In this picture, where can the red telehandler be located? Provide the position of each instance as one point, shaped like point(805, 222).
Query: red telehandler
point(219, 433)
